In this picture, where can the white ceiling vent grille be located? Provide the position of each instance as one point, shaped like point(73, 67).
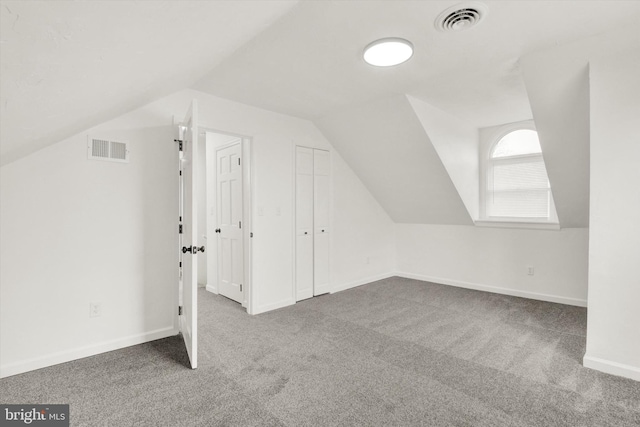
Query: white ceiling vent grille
point(461, 17)
point(112, 151)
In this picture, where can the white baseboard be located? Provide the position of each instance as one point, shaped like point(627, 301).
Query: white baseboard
point(212, 289)
point(496, 289)
point(274, 306)
point(610, 367)
point(361, 282)
point(79, 353)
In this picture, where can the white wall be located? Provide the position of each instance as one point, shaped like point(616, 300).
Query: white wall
point(363, 239)
point(613, 329)
point(76, 231)
point(557, 81)
point(558, 87)
point(496, 259)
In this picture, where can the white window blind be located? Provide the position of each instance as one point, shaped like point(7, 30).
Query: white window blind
point(518, 188)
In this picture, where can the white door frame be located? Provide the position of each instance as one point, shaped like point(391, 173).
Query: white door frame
point(247, 218)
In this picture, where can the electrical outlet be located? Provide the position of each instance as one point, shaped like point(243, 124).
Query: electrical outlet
point(95, 309)
point(530, 271)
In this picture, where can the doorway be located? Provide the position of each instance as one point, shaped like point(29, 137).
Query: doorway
point(226, 213)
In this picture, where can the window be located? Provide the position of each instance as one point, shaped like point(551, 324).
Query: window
point(516, 183)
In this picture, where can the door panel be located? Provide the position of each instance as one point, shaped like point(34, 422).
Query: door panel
point(321, 222)
point(304, 266)
point(320, 263)
point(321, 201)
point(230, 209)
point(188, 285)
point(304, 223)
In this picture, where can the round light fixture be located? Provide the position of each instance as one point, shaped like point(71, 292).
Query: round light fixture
point(388, 52)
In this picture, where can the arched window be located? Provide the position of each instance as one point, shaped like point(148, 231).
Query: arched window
point(517, 185)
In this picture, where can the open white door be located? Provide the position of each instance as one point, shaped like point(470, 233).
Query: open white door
point(229, 192)
point(188, 237)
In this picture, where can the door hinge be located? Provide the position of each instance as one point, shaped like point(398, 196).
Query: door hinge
point(180, 173)
point(180, 264)
point(180, 311)
point(240, 287)
point(238, 161)
point(180, 146)
point(239, 224)
point(180, 229)
point(251, 234)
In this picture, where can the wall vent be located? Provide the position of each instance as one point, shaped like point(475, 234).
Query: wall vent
point(104, 149)
point(461, 17)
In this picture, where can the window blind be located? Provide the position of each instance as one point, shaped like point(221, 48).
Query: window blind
point(518, 187)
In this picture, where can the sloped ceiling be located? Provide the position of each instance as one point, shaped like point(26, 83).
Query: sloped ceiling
point(309, 64)
point(457, 146)
point(69, 65)
point(385, 144)
point(557, 81)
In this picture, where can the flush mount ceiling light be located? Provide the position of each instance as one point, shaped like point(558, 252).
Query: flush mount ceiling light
point(388, 52)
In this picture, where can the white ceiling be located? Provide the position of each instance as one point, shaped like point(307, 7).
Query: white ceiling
point(309, 63)
point(69, 65)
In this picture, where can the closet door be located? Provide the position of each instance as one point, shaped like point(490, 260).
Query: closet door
point(304, 223)
point(321, 222)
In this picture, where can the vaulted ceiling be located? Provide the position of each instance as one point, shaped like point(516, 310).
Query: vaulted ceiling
point(69, 65)
point(309, 63)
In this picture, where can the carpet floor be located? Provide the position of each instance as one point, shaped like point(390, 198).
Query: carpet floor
point(396, 352)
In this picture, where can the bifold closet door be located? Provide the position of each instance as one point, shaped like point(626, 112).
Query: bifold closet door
point(304, 223)
point(320, 222)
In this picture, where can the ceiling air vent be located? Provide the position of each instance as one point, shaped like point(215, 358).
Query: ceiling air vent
point(112, 151)
point(461, 17)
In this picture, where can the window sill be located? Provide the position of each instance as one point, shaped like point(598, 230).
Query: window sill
point(518, 224)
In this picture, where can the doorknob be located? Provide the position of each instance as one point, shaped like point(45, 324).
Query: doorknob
point(217, 230)
point(193, 249)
